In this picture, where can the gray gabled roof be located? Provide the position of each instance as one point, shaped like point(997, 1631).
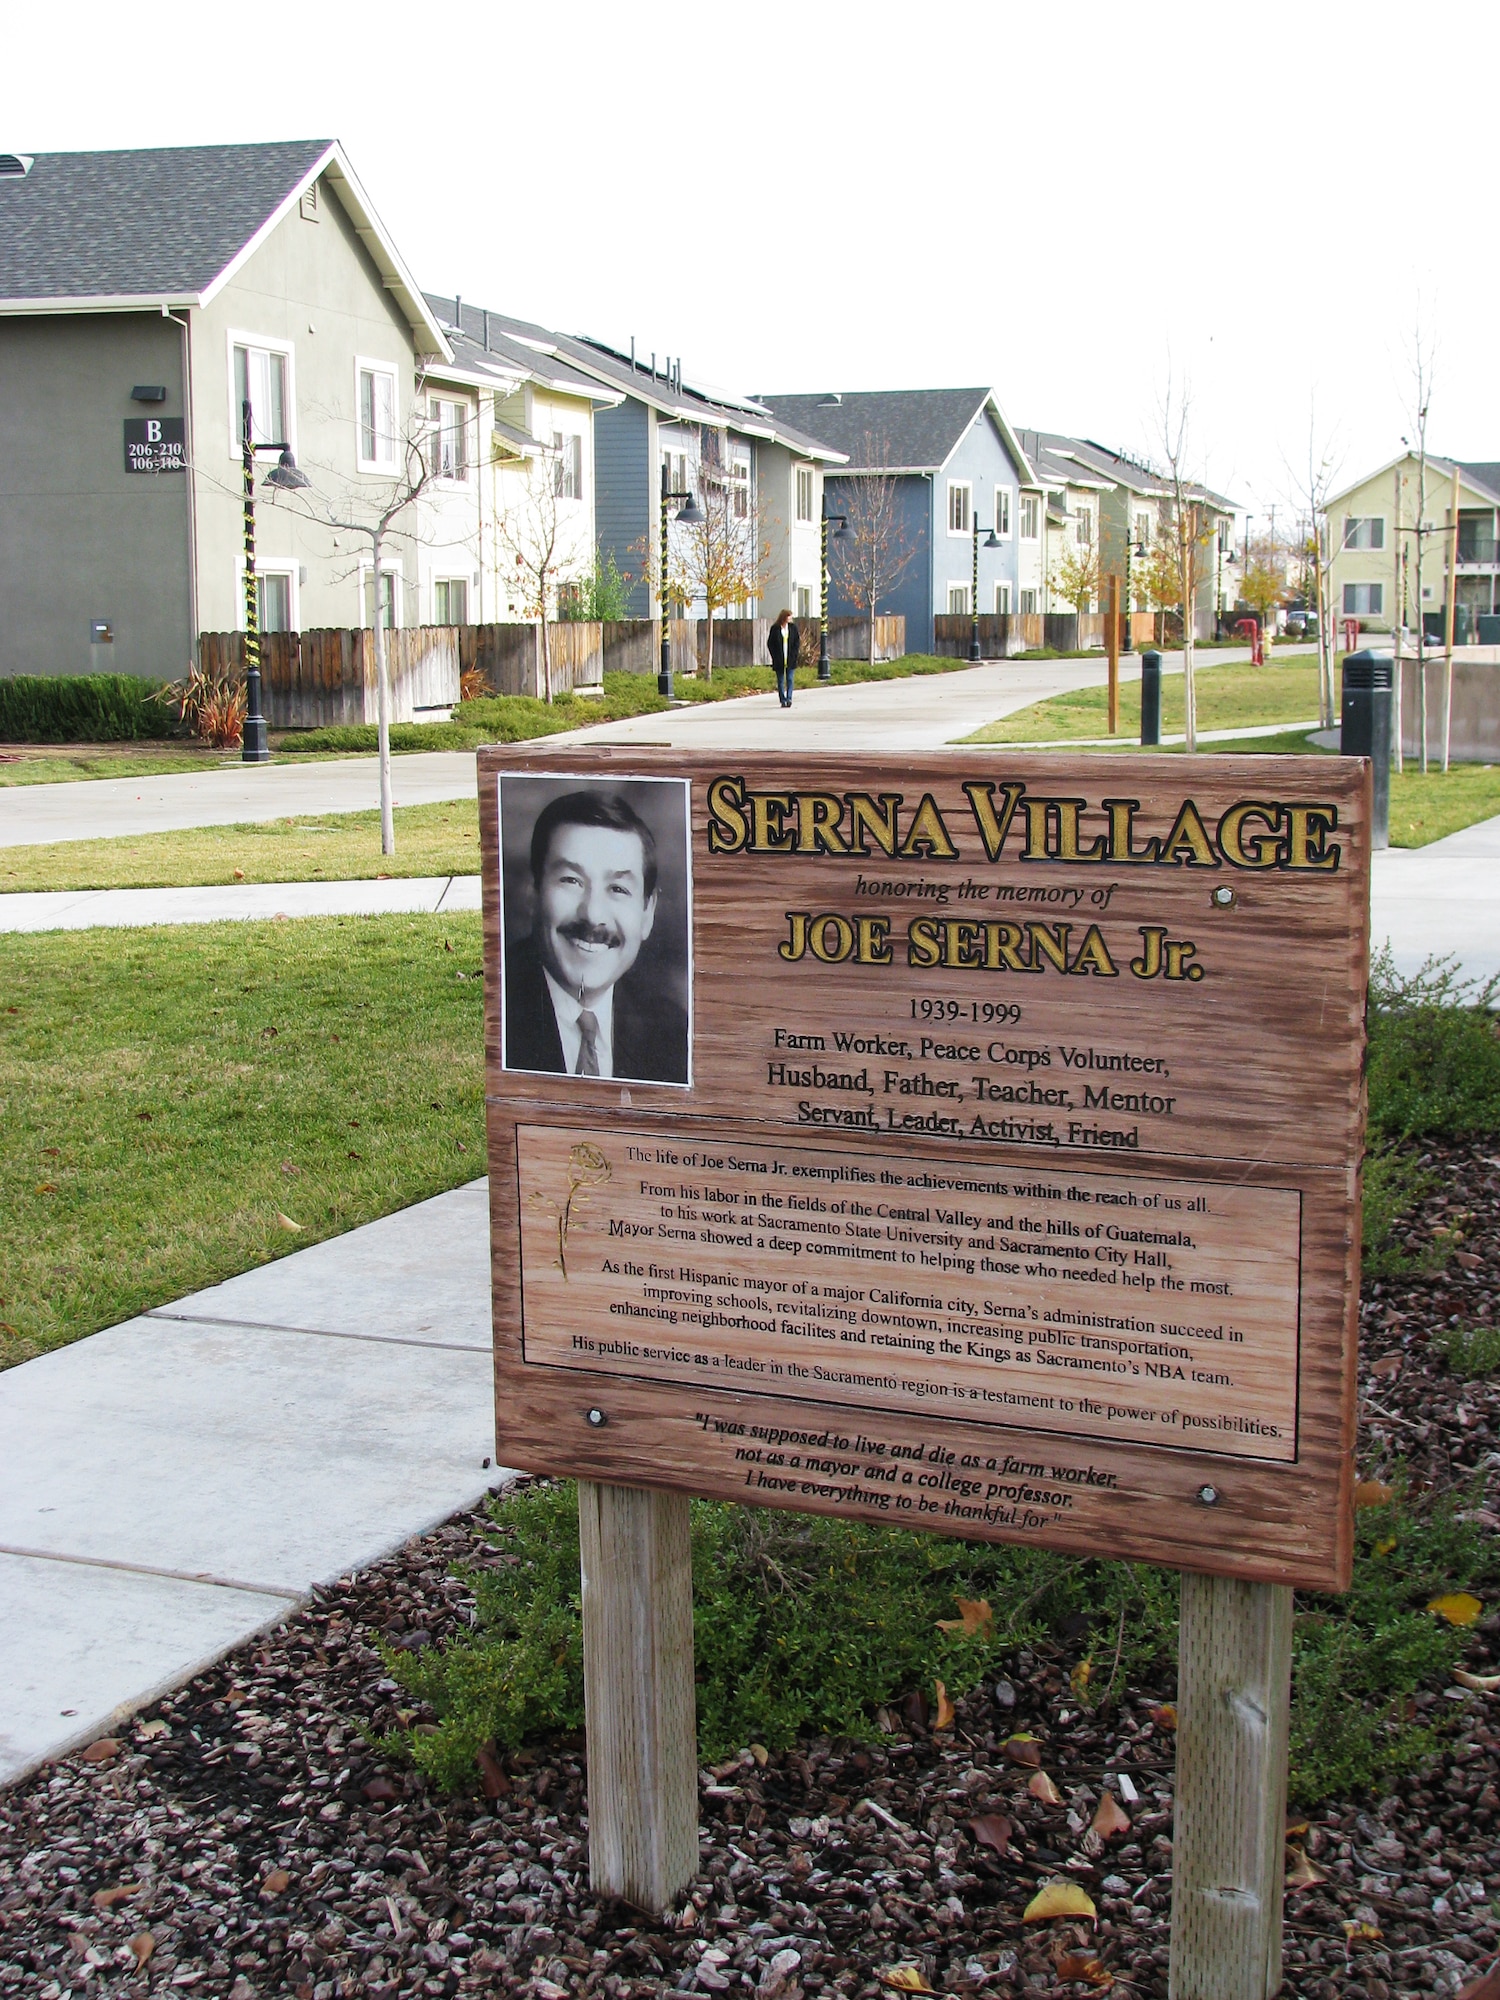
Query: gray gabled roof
point(158, 223)
point(1482, 472)
point(480, 342)
point(905, 430)
point(170, 225)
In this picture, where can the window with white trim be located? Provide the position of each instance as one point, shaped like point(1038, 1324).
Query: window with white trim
point(275, 596)
point(377, 418)
point(260, 379)
point(450, 600)
point(389, 607)
point(569, 472)
point(1143, 531)
point(450, 438)
point(958, 600)
point(960, 506)
point(1029, 516)
point(804, 492)
point(1364, 531)
point(804, 600)
point(1002, 510)
point(1028, 604)
point(1002, 599)
point(1365, 600)
point(739, 490)
point(1083, 527)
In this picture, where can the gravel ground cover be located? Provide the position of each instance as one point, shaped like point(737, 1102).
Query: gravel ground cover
point(249, 1836)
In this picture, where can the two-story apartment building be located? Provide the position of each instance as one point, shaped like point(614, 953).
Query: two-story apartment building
point(513, 432)
point(956, 465)
point(650, 425)
point(145, 298)
point(1371, 532)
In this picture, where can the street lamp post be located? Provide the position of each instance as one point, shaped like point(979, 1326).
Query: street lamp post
point(1139, 552)
point(991, 541)
point(840, 534)
point(285, 478)
point(691, 512)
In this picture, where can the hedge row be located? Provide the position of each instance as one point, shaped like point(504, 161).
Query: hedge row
point(82, 708)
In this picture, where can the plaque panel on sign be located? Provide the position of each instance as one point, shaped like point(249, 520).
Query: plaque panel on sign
point(961, 1142)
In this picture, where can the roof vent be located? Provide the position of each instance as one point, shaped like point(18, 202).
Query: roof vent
point(15, 164)
point(831, 401)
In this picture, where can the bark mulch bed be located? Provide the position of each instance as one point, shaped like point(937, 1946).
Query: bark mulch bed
point(243, 1838)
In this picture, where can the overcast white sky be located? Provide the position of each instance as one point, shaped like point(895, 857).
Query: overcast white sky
point(1062, 202)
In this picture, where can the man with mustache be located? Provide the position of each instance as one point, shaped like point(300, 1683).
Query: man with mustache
point(575, 1001)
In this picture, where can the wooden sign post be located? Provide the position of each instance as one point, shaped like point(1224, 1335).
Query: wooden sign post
point(1112, 629)
point(964, 1144)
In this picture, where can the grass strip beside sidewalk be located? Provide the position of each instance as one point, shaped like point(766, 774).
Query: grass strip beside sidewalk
point(169, 1095)
point(1233, 696)
point(439, 839)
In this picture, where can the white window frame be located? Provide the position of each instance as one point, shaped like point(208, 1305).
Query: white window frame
point(391, 569)
point(801, 591)
point(1004, 506)
point(239, 337)
point(468, 584)
point(1034, 502)
point(469, 426)
point(1364, 548)
point(1002, 600)
point(1367, 610)
point(804, 473)
point(1082, 512)
point(740, 505)
point(966, 487)
point(363, 365)
point(286, 566)
point(964, 610)
point(1036, 597)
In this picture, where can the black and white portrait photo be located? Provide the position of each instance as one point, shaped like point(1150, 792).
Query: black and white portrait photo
point(596, 927)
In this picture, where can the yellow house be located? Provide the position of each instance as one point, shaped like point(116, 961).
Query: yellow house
point(1379, 548)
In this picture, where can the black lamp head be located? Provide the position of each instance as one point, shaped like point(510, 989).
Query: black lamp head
point(284, 476)
point(691, 512)
point(992, 541)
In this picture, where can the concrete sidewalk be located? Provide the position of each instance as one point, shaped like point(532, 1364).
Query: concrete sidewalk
point(913, 713)
point(173, 1485)
point(1442, 900)
point(243, 902)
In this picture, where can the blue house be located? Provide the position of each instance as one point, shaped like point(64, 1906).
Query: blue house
point(956, 462)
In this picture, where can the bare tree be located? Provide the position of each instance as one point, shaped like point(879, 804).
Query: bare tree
point(718, 557)
point(877, 548)
point(369, 512)
point(1319, 546)
point(1188, 530)
point(1421, 367)
point(542, 539)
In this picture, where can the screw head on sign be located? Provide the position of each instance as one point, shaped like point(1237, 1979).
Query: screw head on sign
point(1223, 896)
point(1209, 1495)
point(598, 1419)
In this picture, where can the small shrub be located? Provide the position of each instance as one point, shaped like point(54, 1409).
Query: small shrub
point(213, 707)
point(472, 685)
point(1472, 1351)
point(83, 708)
point(404, 736)
point(1434, 1053)
point(1394, 1183)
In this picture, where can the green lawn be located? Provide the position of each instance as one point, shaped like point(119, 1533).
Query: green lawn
point(1229, 697)
point(168, 1095)
point(430, 840)
point(66, 763)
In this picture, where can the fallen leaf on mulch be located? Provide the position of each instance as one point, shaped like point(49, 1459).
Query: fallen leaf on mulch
point(1302, 1873)
point(1164, 1715)
point(1074, 1965)
point(105, 1899)
point(141, 1947)
point(1023, 1749)
point(903, 1979)
point(1109, 1819)
point(945, 1712)
point(276, 1883)
point(1458, 1607)
point(1041, 1787)
point(1485, 1987)
point(992, 1830)
point(491, 1774)
point(1359, 1932)
point(101, 1751)
point(1059, 1899)
point(974, 1615)
point(1477, 1683)
point(1373, 1493)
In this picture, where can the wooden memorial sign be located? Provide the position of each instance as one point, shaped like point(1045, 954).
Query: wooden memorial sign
point(965, 1142)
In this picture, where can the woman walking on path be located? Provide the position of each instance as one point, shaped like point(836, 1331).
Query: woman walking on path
point(783, 644)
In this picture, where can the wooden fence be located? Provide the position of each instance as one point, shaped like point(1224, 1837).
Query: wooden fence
point(309, 679)
point(510, 657)
point(1004, 634)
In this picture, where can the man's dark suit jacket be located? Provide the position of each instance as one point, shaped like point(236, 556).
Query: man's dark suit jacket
point(784, 652)
point(650, 1042)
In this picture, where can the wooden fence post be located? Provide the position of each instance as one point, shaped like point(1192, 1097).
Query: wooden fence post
point(1233, 1695)
point(638, 1691)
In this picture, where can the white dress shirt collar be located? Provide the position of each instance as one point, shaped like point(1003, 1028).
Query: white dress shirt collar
point(567, 1007)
